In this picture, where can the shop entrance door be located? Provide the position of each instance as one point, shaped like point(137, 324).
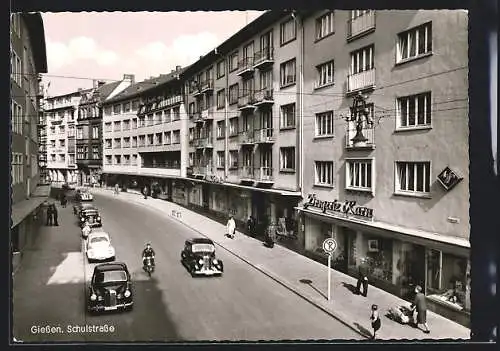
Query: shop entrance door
point(205, 196)
point(259, 211)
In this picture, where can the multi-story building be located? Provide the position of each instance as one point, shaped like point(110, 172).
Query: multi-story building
point(386, 137)
point(28, 61)
point(244, 144)
point(89, 128)
point(144, 132)
point(60, 117)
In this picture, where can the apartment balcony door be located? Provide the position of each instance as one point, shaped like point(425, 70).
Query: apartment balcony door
point(248, 52)
point(247, 159)
point(266, 79)
point(266, 122)
point(248, 123)
point(266, 42)
point(266, 159)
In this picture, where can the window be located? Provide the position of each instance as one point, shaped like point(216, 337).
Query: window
point(221, 97)
point(52, 130)
point(126, 124)
point(324, 124)
point(107, 127)
point(126, 142)
point(233, 126)
point(150, 139)
point(176, 111)
point(413, 177)
point(266, 79)
point(167, 116)
point(117, 143)
point(150, 120)
point(72, 158)
point(220, 159)
point(288, 31)
point(107, 110)
point(53, 143)
point(159, 138)
point(324, 25)
point(53, 157)
point(414, 111)
point(79, 132)
point(287, 159)
point(414, 42)
point(248, 86)
point(95, 132)
point(62, 157)
point(323, 174)
point(79, 153)
point(117, 126)
point(61, 129)
point(287, 73)
point(233, 62)
point(142, 121)
point(126, 160)
point(134, 159)
point(16, 73)
point(117, 109)
point(134, 141)
point(95, 152)
point(16, 118)
point(158, 118)
point(126, 107)
point(62, 143)
point(288, 116)
point(135, 105)
point(362, 60)
point(168, 138)
point(134, 123)
point(176, 136)
point(221, 69)
point(233, 159)
point(118, 159)
point(233, 94)
point(17, 168)
point(220, 130)
point(325, 74)
point(359, 174)
point(108, 159)
point(108, 143)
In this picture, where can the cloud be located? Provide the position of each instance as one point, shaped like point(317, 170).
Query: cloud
point(183, 51)
point(79, 48)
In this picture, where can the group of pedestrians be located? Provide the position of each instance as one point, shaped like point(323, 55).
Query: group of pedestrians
point(418, 305)
point(52, 215)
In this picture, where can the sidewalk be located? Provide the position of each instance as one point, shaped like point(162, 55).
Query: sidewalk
point(307, 278)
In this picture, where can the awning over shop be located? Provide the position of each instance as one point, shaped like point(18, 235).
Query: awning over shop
point(441, 242)
point(20, 210)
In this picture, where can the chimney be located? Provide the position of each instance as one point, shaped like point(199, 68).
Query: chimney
point(100, 83)
point(129, 77)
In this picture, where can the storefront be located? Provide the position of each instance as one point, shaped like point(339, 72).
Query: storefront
point(398, 258)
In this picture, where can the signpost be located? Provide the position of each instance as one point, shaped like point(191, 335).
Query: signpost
point(329, 246)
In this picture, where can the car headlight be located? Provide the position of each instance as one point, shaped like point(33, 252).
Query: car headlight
point(127, 293)
point(93, 297)
point(200, 261)
point(98, 218)
point(215, 261)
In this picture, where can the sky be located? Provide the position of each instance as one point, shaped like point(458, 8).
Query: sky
point(87, 46)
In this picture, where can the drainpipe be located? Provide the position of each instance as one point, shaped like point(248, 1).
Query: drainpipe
point(301, 105)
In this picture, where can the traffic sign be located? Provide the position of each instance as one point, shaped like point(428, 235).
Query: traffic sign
point(329, 245)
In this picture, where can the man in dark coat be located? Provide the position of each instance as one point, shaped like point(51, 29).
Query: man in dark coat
point(362, 277)
point(54, 214)
point(419, 304)
point(49, 215)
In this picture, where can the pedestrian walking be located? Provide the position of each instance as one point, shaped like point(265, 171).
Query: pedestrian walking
point(270, 236)
point(420, 306)
point(231, 227)
point(54, 214)
point(251, 226)
point(49, 215)
point(362, 277)
point(117, 189)
point(145, 192)
point(375, 318)
point(63, 200)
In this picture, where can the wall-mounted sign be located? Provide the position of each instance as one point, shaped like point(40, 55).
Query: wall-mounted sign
point(346, 207)
point(448, 178)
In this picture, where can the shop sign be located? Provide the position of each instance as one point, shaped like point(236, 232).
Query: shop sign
point(346, 207)
point(448, 178)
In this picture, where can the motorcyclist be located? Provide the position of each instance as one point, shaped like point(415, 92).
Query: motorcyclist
point(148, 252)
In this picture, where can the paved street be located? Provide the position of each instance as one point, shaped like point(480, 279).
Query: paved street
point(244, 304)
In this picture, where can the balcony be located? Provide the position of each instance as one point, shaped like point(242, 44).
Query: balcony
point(368, 132)
point(264, 58)
point(264, 175)
point(207, 114)
point(199, 143)
point(207, 86)
point(264, 136)
point(361, 81)
point(246, 102)
point(247, 137)
point(245, 66)
point(207, 142)
point(197, 117)
point(246, 174)
point(361, 25)
point(168, 169)
point(264, 97)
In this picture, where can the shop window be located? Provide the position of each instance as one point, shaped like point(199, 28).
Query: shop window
point(378, 253)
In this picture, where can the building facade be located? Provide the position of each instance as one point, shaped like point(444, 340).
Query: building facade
point(386, 132)
point(28, 61)
point(89, 129)
point(144, 132)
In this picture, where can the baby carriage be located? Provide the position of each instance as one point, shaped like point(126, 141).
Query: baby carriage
point(401, 314)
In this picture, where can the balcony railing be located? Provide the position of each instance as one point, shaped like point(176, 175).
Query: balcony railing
point(263, 58)
point(206, 142)
point(197, 117)
point(245, 66)
point(208, 113)
point(360, 81)
point(264, 174)
point(361, 25)
point(265, 135)
point(246, 173)
point(247, 137)
point(263, 96)
point(207, 85)
point(368, 132)
point(246, 101)
point(166, 165)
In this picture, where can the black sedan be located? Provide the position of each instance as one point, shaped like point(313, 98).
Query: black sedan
point(79, 206)
point(110, 288)
point(198, 256)
point(92, 216)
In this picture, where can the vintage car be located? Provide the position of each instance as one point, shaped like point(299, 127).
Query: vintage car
point(198, 256)
point(110, 288)
point(98, 247)
point(83, 194)
point(79, 206)
point(92, 216)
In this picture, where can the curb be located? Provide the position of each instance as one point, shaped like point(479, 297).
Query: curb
point(274, 277)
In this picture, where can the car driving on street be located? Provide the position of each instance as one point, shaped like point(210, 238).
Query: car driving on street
point(110, 288)
point(198, 256)
point(98, 247)
point(83, 194)
point(79, 206)
point(92, 216)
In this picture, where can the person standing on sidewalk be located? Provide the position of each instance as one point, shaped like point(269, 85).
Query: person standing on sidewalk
point(420, 306)
point(117, 189)
point(375, 318)
point(231, 227)
point(54, 214)
point(251, 226)
point(362, 277)
point(145, 192)
point(49, 215)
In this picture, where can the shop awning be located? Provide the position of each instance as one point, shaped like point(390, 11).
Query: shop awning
point(420, 237)
point(20, 210)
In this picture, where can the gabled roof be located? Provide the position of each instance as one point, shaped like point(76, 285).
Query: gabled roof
point(106, 89)
point(147, 85)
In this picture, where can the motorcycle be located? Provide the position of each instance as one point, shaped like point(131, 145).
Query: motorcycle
point(148, 265)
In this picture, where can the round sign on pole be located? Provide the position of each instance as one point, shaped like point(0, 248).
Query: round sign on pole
point(329, 245)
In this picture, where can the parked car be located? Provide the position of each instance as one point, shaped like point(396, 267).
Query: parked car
point(79, 206)
point(98, 247)
point(92, 216)
point(198, 256)
point(110, 288)
point(83, 194)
